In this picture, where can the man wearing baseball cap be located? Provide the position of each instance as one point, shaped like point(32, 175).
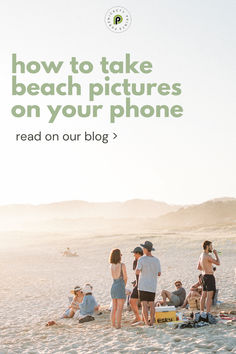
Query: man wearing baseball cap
point(148, 269)
point(138, 252)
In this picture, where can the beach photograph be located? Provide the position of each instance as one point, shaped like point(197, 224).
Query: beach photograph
point(38, 273)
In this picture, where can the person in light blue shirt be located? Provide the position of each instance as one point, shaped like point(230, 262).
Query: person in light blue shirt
point(88, 306)
point(148, 269)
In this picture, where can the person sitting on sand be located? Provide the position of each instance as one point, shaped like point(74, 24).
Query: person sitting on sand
point(77, 300)
point(69, 253)
point(138, 252)
point(195, 291)
point(88, 306)
point(118, 295)
point(176, 298)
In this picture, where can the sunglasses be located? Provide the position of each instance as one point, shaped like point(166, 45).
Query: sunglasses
point(178, 284)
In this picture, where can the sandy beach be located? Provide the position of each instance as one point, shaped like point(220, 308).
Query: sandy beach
point(35, 280)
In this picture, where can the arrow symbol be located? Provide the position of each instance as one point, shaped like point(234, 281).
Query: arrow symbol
point(115, 136)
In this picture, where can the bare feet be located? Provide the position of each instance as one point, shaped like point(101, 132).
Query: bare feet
point(139, 323)
point(135, 321)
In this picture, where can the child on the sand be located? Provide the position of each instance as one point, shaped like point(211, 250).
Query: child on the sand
point(88, 306)
point(77, 300)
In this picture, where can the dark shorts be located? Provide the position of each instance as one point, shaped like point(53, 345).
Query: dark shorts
point(134, 294)
point(209, 283)
point(146, 296)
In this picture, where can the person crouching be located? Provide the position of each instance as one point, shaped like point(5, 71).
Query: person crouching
point(88, 306)
point(77, 300)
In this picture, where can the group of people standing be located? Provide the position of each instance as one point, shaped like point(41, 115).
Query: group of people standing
point(147, 269)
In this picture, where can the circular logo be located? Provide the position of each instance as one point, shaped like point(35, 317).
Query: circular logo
point(118, 19)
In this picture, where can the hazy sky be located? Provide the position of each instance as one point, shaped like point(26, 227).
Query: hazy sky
point(187, 160)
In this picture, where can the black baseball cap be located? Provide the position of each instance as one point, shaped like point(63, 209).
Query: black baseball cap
point(137, 250)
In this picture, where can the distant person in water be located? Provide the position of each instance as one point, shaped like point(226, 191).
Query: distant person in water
point(205, 264)
point(175, 298)
point(138, 252)
point(77, 300)
point(118, 295)
point(148, 269)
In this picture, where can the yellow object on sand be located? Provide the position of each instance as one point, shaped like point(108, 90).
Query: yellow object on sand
point(165, 314)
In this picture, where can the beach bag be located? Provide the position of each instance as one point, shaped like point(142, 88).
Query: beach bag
point(87, 318)
point(211, 319)
point(201, 324)
point(204, 317)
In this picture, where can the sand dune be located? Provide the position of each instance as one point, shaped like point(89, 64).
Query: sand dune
point(131, 216)
point(135, 208)
point(213, 212)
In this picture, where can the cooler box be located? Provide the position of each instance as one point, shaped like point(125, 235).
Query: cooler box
point(165, 314)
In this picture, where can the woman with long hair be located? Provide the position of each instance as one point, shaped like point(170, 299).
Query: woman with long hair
point(119, 275)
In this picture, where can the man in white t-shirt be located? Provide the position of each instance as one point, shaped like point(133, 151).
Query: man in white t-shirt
point(148, 269)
